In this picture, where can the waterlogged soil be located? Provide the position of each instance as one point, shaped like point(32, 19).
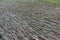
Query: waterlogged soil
point(29, 21)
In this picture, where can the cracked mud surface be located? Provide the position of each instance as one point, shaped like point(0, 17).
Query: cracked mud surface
point(29, 21)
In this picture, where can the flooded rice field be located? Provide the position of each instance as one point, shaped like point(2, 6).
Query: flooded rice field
point(29, 20)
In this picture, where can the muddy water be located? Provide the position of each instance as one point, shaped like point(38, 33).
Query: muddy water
point(29, 21)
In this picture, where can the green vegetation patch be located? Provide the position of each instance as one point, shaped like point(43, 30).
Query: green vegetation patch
point(50, 1)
